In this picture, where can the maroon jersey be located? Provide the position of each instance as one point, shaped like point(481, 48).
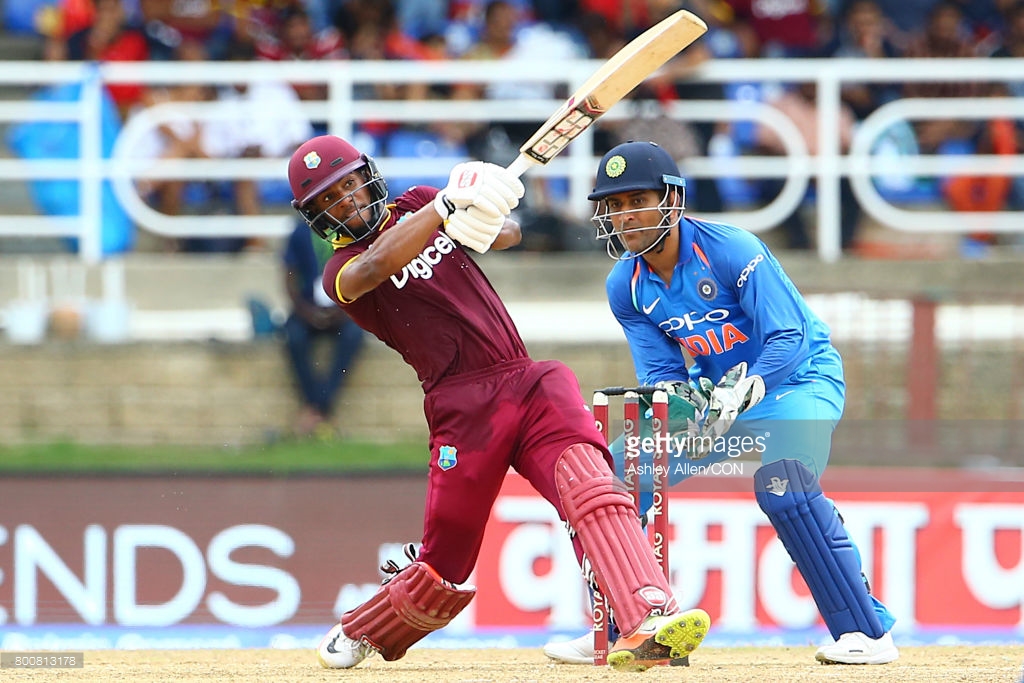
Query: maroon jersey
point(440, 312)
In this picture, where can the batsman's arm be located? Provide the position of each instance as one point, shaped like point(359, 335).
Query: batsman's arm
point(393, 250)
point(471, 186)
point(510, 235)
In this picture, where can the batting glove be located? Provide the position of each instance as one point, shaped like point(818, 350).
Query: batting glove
point(489, 187)
point(735, 393)
point(474, 228)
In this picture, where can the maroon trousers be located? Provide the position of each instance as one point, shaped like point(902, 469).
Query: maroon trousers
point(522, 414)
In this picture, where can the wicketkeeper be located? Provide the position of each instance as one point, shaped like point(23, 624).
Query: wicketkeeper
point(759, 358)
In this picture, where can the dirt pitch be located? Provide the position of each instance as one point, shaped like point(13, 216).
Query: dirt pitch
point(782, 665)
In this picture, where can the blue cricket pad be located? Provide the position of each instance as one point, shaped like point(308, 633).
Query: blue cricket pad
point(810, 529)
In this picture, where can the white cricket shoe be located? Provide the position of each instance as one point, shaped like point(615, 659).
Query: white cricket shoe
point(338, 651)
point(858, 648)
point(579, 651)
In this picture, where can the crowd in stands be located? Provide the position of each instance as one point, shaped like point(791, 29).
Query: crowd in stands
point(320, 30)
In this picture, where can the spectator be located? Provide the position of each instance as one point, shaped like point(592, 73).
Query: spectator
point(262, 119)
point(179, 138)
point(169, 24)
point(420, 18)
point(866, 34)
point(800, 106)
point(259, 120)
point(947, 35)
point(908, 16)
point(943, 37)
point(52, 140)
point(472, 12)
point(1012, 45)
point(507, 35)
point(496, 42)
point(256, 21)
point(628, 18)
point(785, 29)
point(999, 137)
point(110, 38)
point(298, 41)
point(322, 12)
point(313, 321)
point(717, 139)
point(372, 31)
point(600, 40)
point(675, 83)
point(561, 14)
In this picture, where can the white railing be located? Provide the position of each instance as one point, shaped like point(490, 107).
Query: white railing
point(342, 112)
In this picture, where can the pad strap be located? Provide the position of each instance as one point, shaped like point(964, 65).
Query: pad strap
point(812, 532)
point(601, 511)
point(409, 606)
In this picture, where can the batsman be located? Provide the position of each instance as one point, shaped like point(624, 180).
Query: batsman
point(402, 270)
point(762, 372)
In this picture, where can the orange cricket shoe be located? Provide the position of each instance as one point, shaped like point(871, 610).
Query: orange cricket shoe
point(661, 641)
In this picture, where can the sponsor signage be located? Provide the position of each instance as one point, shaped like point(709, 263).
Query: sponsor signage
point(153, 552)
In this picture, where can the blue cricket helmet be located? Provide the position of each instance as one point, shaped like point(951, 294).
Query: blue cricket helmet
point(633, 166)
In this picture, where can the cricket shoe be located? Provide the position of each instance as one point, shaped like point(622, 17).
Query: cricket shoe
point(338, 651)
point(858, 648)
point(661, 641)
point(579, 651)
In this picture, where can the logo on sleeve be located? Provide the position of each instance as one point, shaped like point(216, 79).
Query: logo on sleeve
point(447, 457)
point(748, 270)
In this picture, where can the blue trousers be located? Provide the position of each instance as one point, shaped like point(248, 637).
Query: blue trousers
point(319, 386)
point(795, 421)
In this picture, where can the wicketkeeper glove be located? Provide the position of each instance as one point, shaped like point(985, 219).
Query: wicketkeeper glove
point(688, 393)
point(735, 393)
point(489, 187)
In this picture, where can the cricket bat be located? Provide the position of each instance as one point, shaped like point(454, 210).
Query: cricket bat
point(641, 57)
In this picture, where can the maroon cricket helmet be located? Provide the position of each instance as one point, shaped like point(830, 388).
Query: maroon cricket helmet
point(319, 163)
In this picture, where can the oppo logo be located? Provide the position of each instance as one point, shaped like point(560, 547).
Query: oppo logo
point(748, 269)
point(689, 320)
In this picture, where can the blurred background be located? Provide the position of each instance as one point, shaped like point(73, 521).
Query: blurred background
point(158, 314)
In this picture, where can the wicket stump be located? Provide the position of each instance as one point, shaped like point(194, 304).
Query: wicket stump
point(658, 514)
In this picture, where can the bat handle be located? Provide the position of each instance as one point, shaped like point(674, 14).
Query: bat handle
point(521, 165)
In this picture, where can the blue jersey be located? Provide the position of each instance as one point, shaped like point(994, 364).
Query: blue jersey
point(729, 301)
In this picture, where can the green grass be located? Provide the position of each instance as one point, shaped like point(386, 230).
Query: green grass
point(290, 457)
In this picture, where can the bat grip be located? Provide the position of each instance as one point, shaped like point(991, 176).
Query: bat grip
point(521, 165)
